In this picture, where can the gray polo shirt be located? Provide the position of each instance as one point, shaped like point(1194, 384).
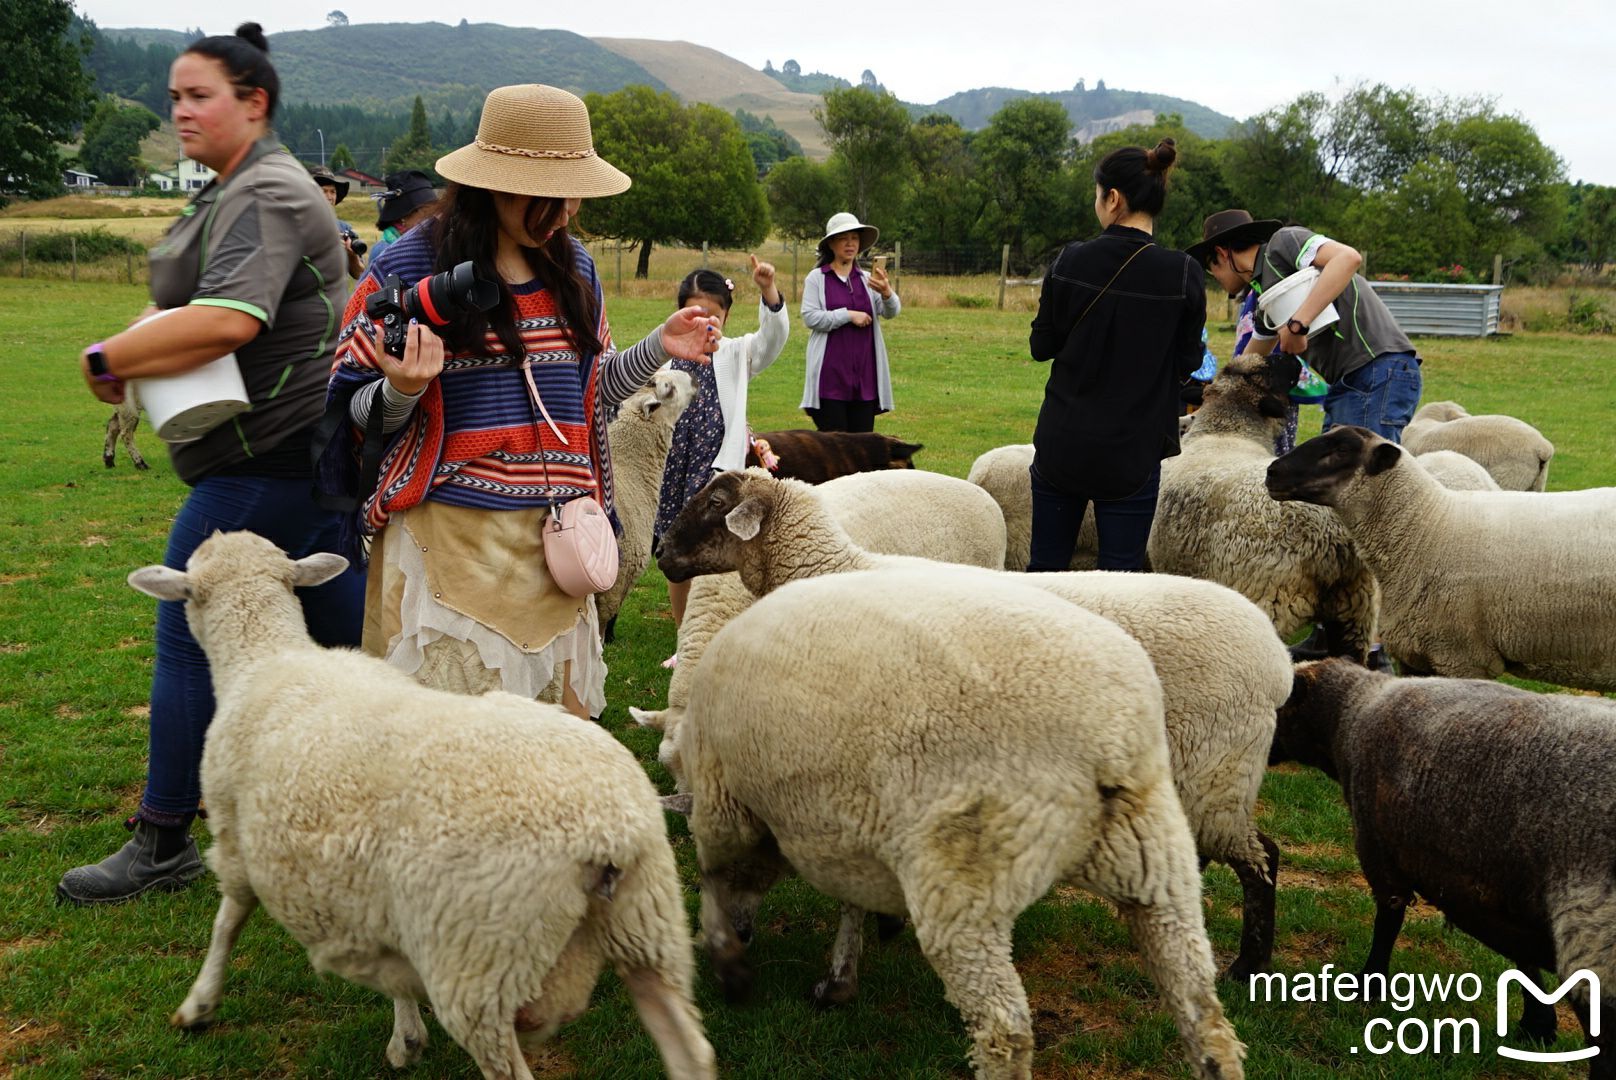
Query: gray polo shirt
point(1366, 329)
point(263, 241)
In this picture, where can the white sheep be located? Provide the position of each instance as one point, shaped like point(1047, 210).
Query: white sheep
point(1223, 670)
point(1214, 519)
point(1456, 472)
point(1002, 473)
point(640, 438)
point(1512, 451)
point(892, 511)
point(1476, 583)
point(486, 853)
point(981, 744)
point(121, 425)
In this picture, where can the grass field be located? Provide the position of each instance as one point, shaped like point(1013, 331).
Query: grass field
point(87, 993)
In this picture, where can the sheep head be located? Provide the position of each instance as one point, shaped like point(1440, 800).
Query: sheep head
point(243, 564)
point(665, 398)
point(1307, 725)
point(708, 535)
point(1322, 469)
point(1441, 411)
point(1249, 387)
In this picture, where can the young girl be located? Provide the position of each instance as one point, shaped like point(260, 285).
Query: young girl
point(711, 435)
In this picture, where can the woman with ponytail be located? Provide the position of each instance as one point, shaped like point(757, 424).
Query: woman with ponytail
point(252, 266)
point(1121, 319)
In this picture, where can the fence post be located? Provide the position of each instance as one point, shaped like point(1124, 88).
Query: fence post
point(619, 267)
point(704, 254)
point(73, 253)
point(796, 293)
point(897, 263)
point(1004, 273)
point(1498, 269)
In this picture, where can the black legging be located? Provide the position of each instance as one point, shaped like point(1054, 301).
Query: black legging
point(844, 415)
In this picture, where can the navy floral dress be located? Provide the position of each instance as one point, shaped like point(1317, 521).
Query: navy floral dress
point(697, 438)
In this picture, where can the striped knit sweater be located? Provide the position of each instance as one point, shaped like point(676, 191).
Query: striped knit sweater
point(476, 437)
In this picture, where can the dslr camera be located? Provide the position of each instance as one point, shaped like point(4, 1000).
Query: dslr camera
point(355, 245)
point(433, 301)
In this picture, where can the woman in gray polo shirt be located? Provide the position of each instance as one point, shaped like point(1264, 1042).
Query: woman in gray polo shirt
point(255, 265)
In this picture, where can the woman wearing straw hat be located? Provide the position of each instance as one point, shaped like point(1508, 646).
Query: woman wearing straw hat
point(505, 415)
point(847, 382)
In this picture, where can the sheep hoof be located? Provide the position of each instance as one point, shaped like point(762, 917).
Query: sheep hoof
point(139, 465)
point(735, 976)
point(402, 1053)
point(829, 993)
point(1241, 970)
point(193, 1015)
point(106, 459)
point(1541, 1035)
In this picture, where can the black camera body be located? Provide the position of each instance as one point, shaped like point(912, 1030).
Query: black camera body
point(355, 245)
point(433, 301)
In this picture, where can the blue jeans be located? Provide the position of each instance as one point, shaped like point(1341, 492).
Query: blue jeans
point(1123, 526)
point(284, 512)
point(1380, 396)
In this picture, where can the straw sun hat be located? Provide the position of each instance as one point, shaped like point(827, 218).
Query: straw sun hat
point(534, 140)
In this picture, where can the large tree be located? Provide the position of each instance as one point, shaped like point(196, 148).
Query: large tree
point(694, 178)
point(946, 201)
point(415, 150)
point(803, 195)
point(868, 133)
point(112, 137)
point(1023, 151)
point(44, 95)
point(1195, 187)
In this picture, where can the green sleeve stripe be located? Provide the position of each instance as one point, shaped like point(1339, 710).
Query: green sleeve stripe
point(242, 435)
point(234, 305)
point(330, 312)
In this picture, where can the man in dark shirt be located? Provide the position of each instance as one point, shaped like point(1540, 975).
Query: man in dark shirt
point(1372, 369)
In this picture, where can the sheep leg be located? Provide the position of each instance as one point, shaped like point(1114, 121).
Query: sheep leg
point(727, 909)
point(129, 441)
point(674, 1024)
point(1582, 921)
point(970, 951)
point(1388, 924)
point(1257, 880)
point(471, 1015)
point(1539, 1023)
point(1342, 638)
point(203, 1001)
point(841, 985)
point(109, 451)
point(409, 1034)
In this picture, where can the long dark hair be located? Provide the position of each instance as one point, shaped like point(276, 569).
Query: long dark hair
point(1139, 174)
point(244, 56)
point(466, 227)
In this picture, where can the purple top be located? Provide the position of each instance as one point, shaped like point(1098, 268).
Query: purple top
point(849, 370)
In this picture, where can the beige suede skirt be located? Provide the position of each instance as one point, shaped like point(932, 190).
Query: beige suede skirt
point(462, 600)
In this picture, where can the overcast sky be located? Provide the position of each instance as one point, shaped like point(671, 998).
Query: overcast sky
point(1549, 61)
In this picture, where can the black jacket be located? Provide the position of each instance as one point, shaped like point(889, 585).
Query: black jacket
point(1110, 410)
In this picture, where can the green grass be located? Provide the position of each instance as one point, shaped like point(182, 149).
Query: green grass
point(86, 993)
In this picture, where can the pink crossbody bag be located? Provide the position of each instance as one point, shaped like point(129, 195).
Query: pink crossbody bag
point(580, 548)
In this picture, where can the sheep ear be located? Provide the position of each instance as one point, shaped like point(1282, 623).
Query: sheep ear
point(1381, 458)
point(650, 404)
point(163, 582)
point(651, 718)
point(1272, 407)
point(317, 569)
point(677, 804)
point(746, 520)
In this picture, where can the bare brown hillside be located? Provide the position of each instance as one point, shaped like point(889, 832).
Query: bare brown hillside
point(697, 73)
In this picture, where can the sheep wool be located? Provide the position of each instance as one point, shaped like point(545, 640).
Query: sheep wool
point(489, 853)
point(1476, 583)
point(1214, 519)
point(1002, 473)
point(1514, 453)
point(1456, 472)
point(1494, 804)
point(949, 782)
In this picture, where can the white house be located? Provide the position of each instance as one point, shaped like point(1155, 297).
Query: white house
point(77, 179)
point(192, 176)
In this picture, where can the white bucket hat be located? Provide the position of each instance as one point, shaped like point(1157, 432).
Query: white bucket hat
point(846, 223)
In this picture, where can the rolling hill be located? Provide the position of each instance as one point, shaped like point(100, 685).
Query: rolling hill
point(973, 108)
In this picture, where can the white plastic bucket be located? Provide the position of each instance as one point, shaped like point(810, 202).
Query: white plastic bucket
point(183, 408)
point(1278, 304)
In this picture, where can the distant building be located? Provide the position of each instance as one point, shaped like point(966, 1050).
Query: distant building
point(78, 179)
point(364, 182)
point(191, 176)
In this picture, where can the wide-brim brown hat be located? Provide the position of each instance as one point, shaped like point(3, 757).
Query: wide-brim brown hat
point(846, 223)
point(534, 140)
point(1233, 229)
point(324, 176)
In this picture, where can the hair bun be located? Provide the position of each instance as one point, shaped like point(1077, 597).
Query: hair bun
point(253, 34)
point(1161, 159)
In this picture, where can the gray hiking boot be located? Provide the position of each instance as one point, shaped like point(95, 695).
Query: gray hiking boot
point(131, 870)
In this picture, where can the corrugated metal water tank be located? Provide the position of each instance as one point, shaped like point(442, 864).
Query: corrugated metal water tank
point(1450, 310)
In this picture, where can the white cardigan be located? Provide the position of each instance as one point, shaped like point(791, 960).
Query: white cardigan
point(734, 363)
point(820, 321)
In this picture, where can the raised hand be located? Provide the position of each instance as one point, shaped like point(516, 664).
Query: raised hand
point(879, 282)
point(691, 334)
point(763, 277)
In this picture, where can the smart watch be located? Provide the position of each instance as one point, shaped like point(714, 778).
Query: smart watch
point(1296, 326)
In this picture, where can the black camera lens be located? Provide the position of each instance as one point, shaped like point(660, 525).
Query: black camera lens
point(358, 246)
point(449, 295)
